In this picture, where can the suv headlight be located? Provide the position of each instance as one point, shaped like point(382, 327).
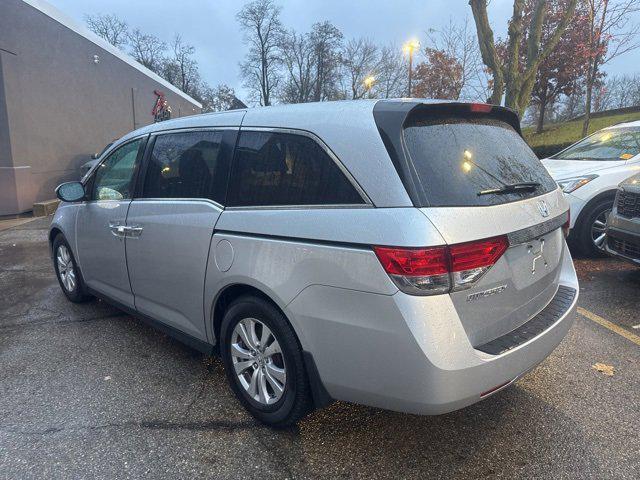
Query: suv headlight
point(569, 185)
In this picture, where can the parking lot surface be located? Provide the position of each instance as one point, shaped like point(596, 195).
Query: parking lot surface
point(89, 392)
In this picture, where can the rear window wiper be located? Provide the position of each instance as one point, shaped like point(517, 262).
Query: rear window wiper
point(511, 188)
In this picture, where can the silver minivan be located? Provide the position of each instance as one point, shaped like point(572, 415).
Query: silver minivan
point(403, 254)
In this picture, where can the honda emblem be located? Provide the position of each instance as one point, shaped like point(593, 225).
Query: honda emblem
point(543, 208)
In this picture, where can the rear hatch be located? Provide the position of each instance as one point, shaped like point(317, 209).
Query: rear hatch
point(470, 172)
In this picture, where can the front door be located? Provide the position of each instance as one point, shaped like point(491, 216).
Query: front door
point(101, 224)
point(172, 224)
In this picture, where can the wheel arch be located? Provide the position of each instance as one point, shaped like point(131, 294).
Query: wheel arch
point(229, 293)
point(53, 233)
point(584, 212)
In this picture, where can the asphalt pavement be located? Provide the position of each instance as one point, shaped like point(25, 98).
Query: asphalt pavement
point(89, 392)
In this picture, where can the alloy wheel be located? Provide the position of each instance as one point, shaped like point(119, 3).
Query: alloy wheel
point(598, 229)
point(258, 361)
point(66, 269)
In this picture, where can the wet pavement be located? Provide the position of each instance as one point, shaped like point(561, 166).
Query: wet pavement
point(89, 392)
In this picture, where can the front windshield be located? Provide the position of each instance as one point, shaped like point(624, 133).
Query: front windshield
point(610, 144)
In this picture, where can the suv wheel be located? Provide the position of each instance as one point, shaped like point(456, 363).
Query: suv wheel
point(263, 362)
point(67, 271)
point(592, 229)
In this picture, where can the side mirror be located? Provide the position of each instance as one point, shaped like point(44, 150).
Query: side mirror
point(95, 156)
point(70, 192)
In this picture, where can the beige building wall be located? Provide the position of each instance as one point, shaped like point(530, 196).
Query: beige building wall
point(64, 94)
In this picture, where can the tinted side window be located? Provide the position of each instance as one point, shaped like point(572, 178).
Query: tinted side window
point(113, 178)
point(273, 168)
point(186, 165)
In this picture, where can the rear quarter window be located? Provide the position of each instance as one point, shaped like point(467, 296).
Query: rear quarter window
point(277, 169)
point(454, 158)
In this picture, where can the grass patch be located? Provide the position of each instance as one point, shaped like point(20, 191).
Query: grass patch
point(558, 136)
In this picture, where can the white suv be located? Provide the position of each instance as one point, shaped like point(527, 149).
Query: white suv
point(589, 173)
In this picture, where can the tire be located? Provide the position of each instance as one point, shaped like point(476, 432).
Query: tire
point(586, 232)
point(66, 269)
point(266, 403)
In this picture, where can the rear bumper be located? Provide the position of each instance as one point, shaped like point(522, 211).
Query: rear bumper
point(410, 353)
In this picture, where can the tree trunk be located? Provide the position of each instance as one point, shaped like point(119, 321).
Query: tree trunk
point(498, 88)
point(319, 77)
point(513, 78)
point(265, 82)
point(591, 75)
point(587, 111)
point(543, 108)
point(488, 48)
point(512, 90)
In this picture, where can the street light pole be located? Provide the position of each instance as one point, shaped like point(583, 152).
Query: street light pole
point(410, 47)
point(410, 70)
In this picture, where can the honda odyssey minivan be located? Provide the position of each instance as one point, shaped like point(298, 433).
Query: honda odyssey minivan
point(403, 254)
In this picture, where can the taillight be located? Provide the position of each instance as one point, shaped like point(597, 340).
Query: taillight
point(567, 225)
point(470, 261)
point(436, 270)
point(413, 261)
point(418, 271)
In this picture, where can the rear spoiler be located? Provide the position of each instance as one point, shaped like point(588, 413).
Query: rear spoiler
point(391, 117)
point(400, 112)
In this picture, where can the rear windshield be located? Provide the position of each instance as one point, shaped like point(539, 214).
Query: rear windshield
point(454, 159)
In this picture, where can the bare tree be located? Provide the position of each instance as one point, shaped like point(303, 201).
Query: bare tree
point(147, 49)
point(181, 69)
point(602, 98)
point(360, 60)
point(391, 80)
point(572, 105)
point(458, 41)
point(326, 41)
point(218, 99)
point(623, 90)
point(610, 36)
point(176, 64)
point(620, 89)
point(260, 21)
point(109, 27)
point(517, 84)
point(298, 60)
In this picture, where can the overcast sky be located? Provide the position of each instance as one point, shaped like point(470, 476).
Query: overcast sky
point(210, 25)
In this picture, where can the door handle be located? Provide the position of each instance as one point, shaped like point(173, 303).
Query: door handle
point(117, 229)
point(134, 231)
point(122, 231)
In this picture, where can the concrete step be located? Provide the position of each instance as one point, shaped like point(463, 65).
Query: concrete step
point(48, 207)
